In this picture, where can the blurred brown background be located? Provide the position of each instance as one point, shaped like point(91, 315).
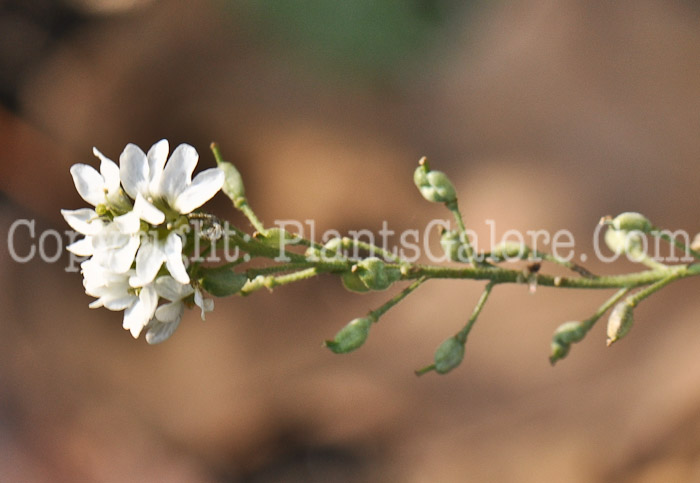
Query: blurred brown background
point(546, 114)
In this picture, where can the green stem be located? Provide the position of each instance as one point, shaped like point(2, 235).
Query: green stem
point(462, 334)
point(373, 250)
point(590, 322)
point(502, 275)
point(454, 208)
point(663, 234)
point(377, 313)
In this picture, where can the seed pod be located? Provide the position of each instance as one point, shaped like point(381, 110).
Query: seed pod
point(631, 221)
point(451, 245)
point(623, 241)
point(352, 282)
point(564, 335)
point(350, 337)
point(620, 321)
point(448, 355)
point(435, 186)
point(233, 182)
point(376, 275)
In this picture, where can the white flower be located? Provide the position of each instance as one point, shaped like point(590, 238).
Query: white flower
point(99, 188)
point(171, 183)
point(167, 316)
point(159, 186)
point(135, 228)
point(114, 293)
point(153, 253)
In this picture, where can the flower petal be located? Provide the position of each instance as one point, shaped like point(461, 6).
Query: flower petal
point(89, 183)
point(207, 305)
point(204, 186)
point(133, 170)
point(170, 312)
point(149, 259)
point(159, 332)
point(147, 211)
point(173, 258)
point(168, 288)
point(157, 156)
point(109, 171)
point(137, 316)
point(82, 247)
point(178, 172)
point(128, 223)
point(84, 220)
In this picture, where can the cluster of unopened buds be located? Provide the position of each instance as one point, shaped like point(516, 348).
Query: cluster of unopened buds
point(135, 234)
point(139, 245)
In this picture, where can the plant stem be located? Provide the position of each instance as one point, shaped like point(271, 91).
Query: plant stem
point(375, 314)
point(462, 334)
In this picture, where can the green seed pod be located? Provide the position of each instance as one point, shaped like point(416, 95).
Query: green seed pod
point(420, 175)
point(350, 337)
point(233, 182)
point(451, 245)
point(566, 334)
point(352, 282)
point(620, 321)
point(623, 241)
point(435, 186)
point(448, 355)
point(376, 275)
point(631, 221)
point(510, 250)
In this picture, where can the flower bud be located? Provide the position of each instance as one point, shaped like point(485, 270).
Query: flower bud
point(448, 355)
point(510, 250)
point(631, 221)
point(435, 186)
point(620, 321)
point(350, 337)
point(566, 334)
point(376, 275)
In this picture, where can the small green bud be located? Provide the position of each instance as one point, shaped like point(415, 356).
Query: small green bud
point(620, 321)
point(631, 221)
point(510, 250)
point(448, 355)
point(222, 281)
point(564, 335)
point(350, 337)
point(451, 245)
point(233, 182)
point(435, 186)
point(376, 275)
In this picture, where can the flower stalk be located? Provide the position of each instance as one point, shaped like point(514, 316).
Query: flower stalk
point(146, 224)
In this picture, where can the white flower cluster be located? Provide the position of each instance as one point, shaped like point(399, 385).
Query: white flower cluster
point(134, 235)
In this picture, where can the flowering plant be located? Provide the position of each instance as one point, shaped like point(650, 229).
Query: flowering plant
point(145, 236)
